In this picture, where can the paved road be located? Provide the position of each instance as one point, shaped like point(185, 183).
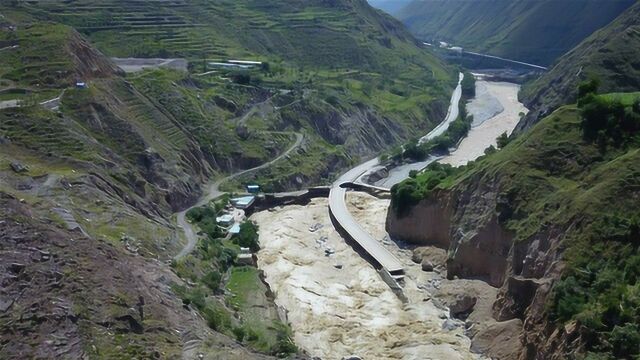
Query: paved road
point(338, 205)
point(452, 113)
point(507, 60)
point(212, 192)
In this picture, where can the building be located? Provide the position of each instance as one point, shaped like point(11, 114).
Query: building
point(253, 189)
point(456, 49)
point(225, 220)
point(231, 66)
point(243, 202)
point(245, 257)
point(245, 62)
point(235, 229)
point(81, 85)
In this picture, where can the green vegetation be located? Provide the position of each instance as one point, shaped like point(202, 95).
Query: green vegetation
point(248, 236)
point(410, 192)
point(468, 85)
point(244, 311)
point(457, 130)
point(604, 55)
point(534, 31)
point(558, 179)
point(608, 122)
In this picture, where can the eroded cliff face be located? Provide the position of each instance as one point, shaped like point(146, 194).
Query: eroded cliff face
point(469, 221)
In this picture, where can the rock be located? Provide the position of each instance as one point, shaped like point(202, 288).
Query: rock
point(450, 325)
point(16, 268)
point(18, 167)
point(129, 323)
point(499, 340)
point(437, 256)
point(462, 306)
point(242, 132)
point(427, 265)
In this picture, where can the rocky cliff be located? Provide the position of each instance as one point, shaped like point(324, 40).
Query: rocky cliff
point(609, 55)
point(518, 218)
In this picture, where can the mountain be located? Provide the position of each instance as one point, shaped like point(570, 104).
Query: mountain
point(533, 31)
point(552, 220)
point(95, 162)
point(610, 55)
point(389, 6)
point(346, 63)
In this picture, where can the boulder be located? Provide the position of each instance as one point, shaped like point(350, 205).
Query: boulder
point(427, 265)
point(18, 167)
point(462, 306)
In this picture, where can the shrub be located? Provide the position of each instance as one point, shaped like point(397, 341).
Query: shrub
point(625, 341)
point(212, 280)
point(248, 236)
point(239, 333)
point(503, 140)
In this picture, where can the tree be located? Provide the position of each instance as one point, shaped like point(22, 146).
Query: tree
point(248, 236)
point(588, 87)
point(503, 140)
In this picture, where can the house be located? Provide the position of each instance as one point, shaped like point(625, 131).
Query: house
point(243, 202)
point(225, 220)
point(230, 66)
point(81, 85)
point(253, 189)
point(245, 62)
point(245, 257)
point(235, 229)
point(456, 49)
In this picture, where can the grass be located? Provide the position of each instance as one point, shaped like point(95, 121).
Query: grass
point(533, 31)
point(248, 313)
point(555, 180)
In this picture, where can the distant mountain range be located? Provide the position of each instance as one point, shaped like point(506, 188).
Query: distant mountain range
point(611, 55)
point(534, 31)
point(390, 6)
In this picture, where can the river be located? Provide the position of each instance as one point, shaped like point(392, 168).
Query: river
point(495, 110)
point(336, 302)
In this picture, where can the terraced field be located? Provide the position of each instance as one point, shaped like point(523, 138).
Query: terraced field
point(309, 30)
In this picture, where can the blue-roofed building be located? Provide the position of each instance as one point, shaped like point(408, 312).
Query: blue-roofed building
point(243, 202)
point(253, 189)
point(235, 229)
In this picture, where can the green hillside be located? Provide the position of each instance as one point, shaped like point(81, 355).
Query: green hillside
point(389, 6)
point(534, 31)
point(91, 175)
point(609, 55)
point(308, 32)
point(564, 198)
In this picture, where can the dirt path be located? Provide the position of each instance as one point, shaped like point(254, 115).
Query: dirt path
point(213, 191)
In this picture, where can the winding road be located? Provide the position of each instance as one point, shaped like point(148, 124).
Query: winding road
point(213, 191)
point(337, 196)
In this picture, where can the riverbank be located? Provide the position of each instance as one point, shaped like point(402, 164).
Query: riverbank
point(337, 303)
point(496, 110)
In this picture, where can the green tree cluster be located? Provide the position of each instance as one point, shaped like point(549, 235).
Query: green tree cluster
point(607, 121)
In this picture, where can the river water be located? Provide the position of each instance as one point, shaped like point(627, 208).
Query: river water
point(336, 302)
point(495, 110)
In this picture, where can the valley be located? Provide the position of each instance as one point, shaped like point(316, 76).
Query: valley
point(319, 179)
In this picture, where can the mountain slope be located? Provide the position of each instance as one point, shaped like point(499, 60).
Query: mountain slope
point(351, 66)
point(533, 31)
point(390, 6)
point(552, 220)
point(91, 174)
point(610, 55)
point(334, 33)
